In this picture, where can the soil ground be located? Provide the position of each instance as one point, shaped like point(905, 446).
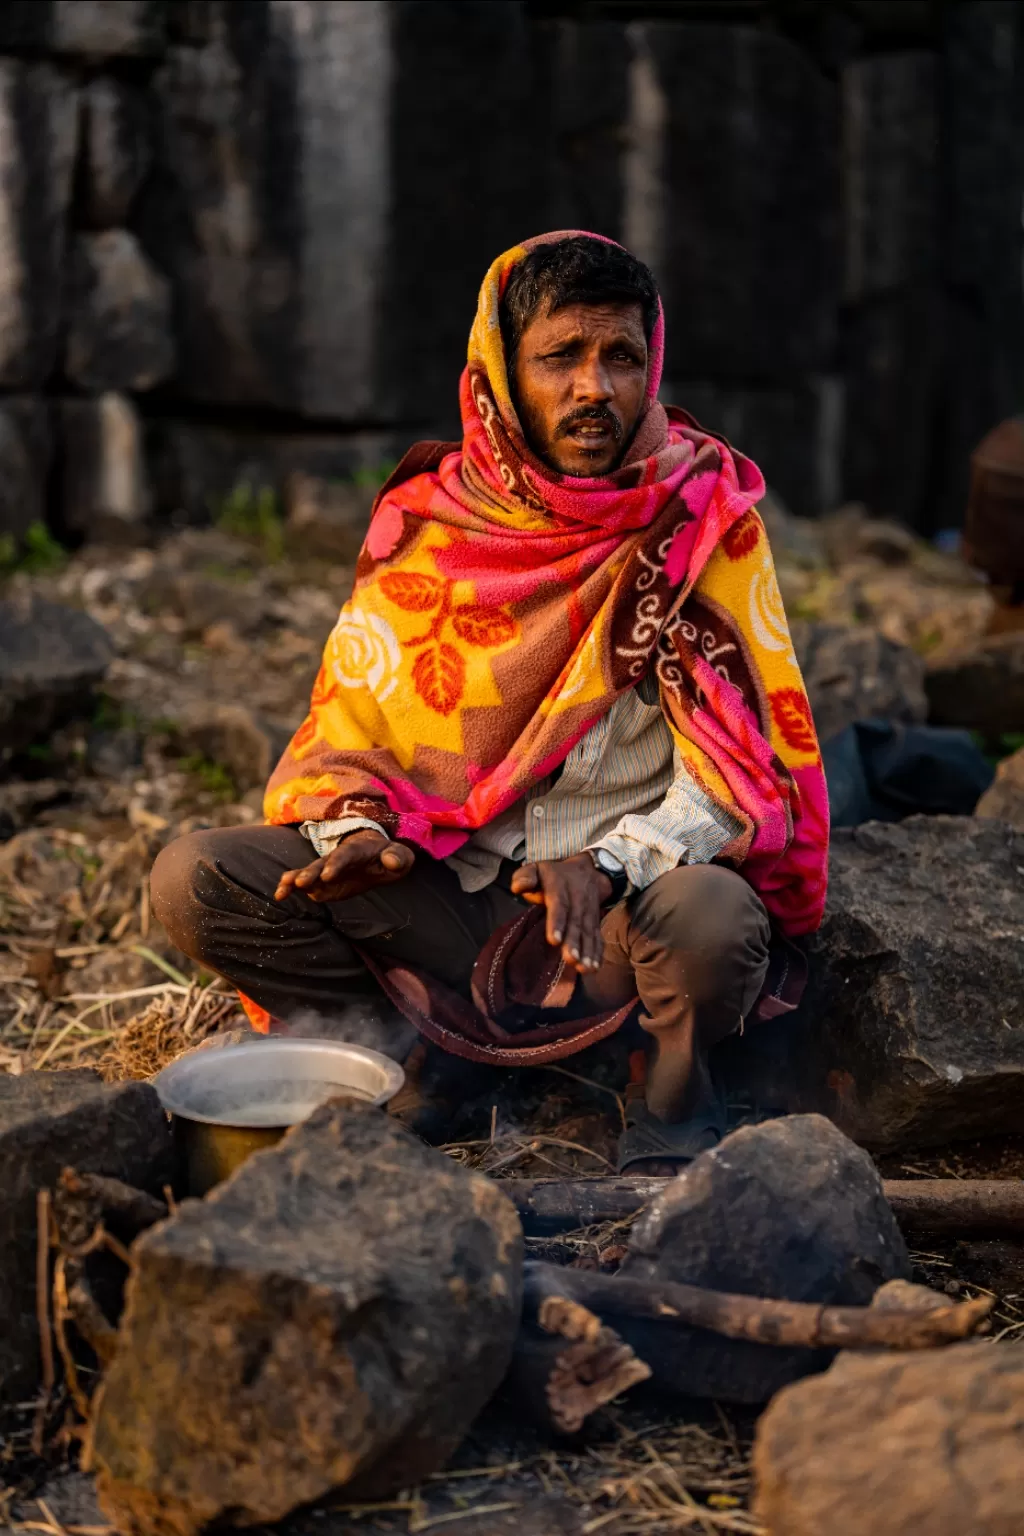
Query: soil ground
point(88, 978)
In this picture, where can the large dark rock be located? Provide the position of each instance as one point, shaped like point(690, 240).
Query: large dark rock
point(48, 1121)
point(911, 1031)
point(890, 149)
point(853, 672)
point(336, 1314)
point(38, 109)
point(119, 316)
point(116, 151)
point(94, 29)
point(980, 687)
point(104, 484)
point(24, 463)
point(742, 156)
point(51, 658)
point(302, 153)
point(789, 1209)
point(897, 1445)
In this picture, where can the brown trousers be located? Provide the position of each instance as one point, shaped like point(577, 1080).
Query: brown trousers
point(693, 945)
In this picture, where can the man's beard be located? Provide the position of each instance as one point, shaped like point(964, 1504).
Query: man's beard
point(590, 413)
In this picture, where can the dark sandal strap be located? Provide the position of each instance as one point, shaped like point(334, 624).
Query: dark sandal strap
point(648, 1139)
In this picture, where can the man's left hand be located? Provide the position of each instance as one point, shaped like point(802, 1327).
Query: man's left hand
point(574, 891)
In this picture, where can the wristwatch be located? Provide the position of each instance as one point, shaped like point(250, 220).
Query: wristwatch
point(607, 864)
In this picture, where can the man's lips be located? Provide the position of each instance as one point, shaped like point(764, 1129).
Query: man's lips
point(591, 434)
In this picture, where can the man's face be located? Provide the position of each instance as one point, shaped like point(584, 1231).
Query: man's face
point(579, 381)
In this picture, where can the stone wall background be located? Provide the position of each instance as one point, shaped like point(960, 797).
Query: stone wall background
point(240, 238)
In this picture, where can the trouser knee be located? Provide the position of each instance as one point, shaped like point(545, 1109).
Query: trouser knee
point(176, 889)
point(713, 923)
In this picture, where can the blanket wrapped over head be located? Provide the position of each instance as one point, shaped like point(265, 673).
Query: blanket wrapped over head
point(501, 608)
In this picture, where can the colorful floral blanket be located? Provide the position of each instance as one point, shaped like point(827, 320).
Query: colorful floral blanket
point(499, 609)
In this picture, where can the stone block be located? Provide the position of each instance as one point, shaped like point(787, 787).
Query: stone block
point(50, 1120)
point(327, 517)
point(104, 485)
point(116, 151)
point(195, 468)
point(852, 672)
point(894, 1444)
point(983, 126)
point(894, 382)
point(230, 734)
point(741, 139)
point(92, 29)
point(335, 1315)
point(119, 316)
point(911, 1031)
point(25, 441)
point(1005, 800)
point(38, 115)
point(51, 659)
point(980, 687)
point(789, 1209)
point(890, 148)
point(303, 153)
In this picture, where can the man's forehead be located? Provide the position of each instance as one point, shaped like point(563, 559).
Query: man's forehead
point(582, 320)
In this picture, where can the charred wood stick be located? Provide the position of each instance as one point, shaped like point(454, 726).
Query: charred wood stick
point(793, 1324)
point(98, 1197)
point(962, 1206)
point(958, 1205)
point(567, 1364)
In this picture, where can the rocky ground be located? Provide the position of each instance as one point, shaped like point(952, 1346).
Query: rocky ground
point(216, 639)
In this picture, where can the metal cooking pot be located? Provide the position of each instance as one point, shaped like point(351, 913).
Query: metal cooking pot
point(232, 1102)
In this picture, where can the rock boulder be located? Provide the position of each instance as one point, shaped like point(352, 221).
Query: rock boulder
point(51, 658)
point(855, 673)
point(337, 1313)
point(980, 687)
point(789, 1209)
point(1005, 800)
point(911, 1031)
point(893, 1444)
point(49, 1120)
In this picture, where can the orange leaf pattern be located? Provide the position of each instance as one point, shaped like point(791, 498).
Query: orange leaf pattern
point(413, 590)
point(483, 626)
point(792, 715)
point(742, 537)
point(439, 677)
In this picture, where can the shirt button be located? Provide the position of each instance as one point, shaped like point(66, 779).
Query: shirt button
point(538, 811)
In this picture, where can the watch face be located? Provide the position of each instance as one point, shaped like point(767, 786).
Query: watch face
point(608, 862)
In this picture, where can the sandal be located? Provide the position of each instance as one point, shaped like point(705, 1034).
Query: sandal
point(647, 1139)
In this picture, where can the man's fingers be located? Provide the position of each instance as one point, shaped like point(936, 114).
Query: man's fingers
point(397, 858)
point(526, 882)
point(557, 904)
point(593, 943)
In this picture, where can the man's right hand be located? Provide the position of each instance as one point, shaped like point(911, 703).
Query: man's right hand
point(361, 861)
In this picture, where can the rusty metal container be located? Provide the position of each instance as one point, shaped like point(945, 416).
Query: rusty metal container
point(994, 531)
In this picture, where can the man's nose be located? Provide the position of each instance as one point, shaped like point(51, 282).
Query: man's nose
point(592, 381)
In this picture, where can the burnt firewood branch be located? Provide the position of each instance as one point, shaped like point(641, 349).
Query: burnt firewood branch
point(801, 1325)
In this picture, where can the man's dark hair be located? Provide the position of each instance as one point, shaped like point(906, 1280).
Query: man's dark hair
point(579, 270)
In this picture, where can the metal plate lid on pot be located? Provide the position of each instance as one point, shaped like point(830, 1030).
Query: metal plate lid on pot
point(276, 1082)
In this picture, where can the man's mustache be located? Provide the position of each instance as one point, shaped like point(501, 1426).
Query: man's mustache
point(590, 413)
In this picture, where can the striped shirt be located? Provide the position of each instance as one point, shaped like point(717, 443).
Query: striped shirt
point(622, 787)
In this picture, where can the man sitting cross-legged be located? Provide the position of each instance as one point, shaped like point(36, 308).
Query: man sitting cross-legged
point(559, 765)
